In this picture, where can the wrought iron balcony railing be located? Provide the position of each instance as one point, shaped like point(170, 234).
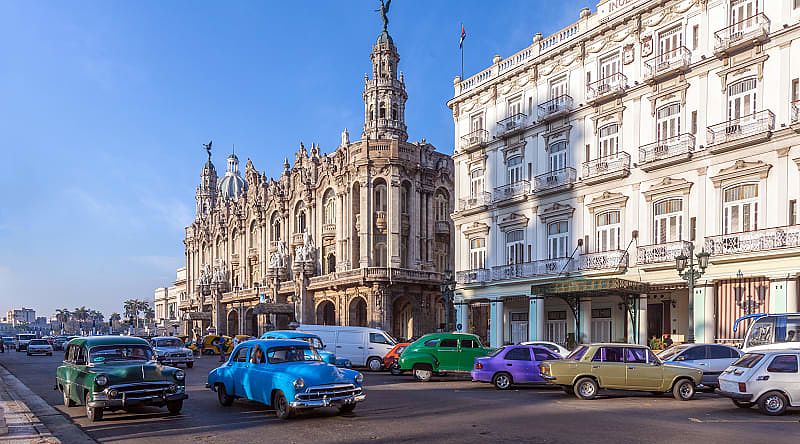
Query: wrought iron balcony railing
point(604, 260)
point(554, 179)
point(476, 276)
point(751, 29)
point(667, 148)
point(661, 253)
point(519, 188)
point(763, 240)
point(618, 163)
point(478, 200)
point(531, 269)
point(608, 86)
point(745, 126)
point(677, 59)
point(475, 139)
point(556, 106)
point(511, 124)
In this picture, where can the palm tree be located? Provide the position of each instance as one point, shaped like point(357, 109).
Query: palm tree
point(131, 310)
point(149, 315)
point(115, 317)
point(63, 315)
point(81, 314)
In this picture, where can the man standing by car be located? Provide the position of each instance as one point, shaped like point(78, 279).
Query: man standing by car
point(221, 348)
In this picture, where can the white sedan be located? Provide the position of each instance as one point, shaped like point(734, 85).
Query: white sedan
point(39, 347)
point(552, 346)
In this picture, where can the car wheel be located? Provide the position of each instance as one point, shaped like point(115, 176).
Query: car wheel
point(586, 388)
point(772, 403)
point(347, 408)
point(683, 390)
point(422, 374)
point(68, 402)
point(189, 364)
point(502, 381)
point(375, 364)
point(282, 408)
point(93, 413)
point(395, 370)
point(743, 404)
point(222, 395)
point(174, 407)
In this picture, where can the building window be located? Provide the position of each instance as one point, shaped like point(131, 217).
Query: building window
point(300, 218)
point(668, 121)
point(795, 88)
point(514, 107)
point(404, 196)
point(515, 247)
point(668, 42)
point(558, 156)
point(276, 228)
point(667, 221)
point(740, 208)
point(514, 169)
point(557, 239)
point(695, 37)
point(380, 197)
point(608, 142)
point(608, 231)
point(380, 252)
point(253, 234)
point(558, 87)
point(234, 241)
point(694, 122)
point(693, 229)
point(793, 212)
point(742, 10)
point(742, 98)
point(476, 182)
point(329, 209)
point(609, 66)
point(477, 253)
point(476, 123)
point(442, 207)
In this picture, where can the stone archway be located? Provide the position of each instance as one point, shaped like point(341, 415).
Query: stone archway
point(326, 313)
point(358, 312)
point(233, 323)
point(403, 317)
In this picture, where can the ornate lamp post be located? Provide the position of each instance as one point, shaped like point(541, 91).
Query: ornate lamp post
point(448, 287)
point(691, 275)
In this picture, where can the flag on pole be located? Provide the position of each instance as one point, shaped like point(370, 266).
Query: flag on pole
point(463, 36)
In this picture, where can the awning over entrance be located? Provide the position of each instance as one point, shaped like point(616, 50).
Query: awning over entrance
point(590, 287)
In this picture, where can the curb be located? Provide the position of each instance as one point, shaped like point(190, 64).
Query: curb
point(59, 426)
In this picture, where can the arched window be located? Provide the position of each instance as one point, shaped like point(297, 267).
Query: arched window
point(276, 227)
point(372, 112)
point(477, 253)
point(329, 207)
point(514, 169)
point(382, 110)
point(218, 253)
point(558, 156)
point(380, 252)
point(515, 247)
point(740, 208)
point(405, 198)
point(395, 112)
point(380, 195)
point(608, 231)
point(253, 234)
point(667, 221)
point(300, 217)
point(668, 121)
point(442, 210)
point(558, 239)
point(608, 144)
point(234, 240)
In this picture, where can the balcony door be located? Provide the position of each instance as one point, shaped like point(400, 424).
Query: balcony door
point(741, 10)
point(668, 43)
point(740, 208)
point(608, 144)
point(742, 98)
point(558, 88)
point(514, 167)
point(609, 66)
point(557, 239)
point(667, 221)
point(515, 247)
point(477, 253)
point(668, 121)
point(476, 123)
point(514, 107)
point(608, 231)
point(558, 156)
point(476, 183)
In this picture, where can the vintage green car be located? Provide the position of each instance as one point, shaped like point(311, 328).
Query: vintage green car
point(117, 372)
point(590, 368)
point(440, 353)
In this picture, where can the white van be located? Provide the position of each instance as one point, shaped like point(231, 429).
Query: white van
point(363, 346)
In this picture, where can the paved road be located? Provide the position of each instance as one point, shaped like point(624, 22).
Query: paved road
point(443, 411)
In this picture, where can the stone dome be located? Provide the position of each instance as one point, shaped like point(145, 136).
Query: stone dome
point(232, 185)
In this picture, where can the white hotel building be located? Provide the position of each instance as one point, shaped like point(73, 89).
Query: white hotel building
point(586, 162)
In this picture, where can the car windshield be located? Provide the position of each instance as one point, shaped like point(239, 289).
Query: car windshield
point(278, 355)
point(671, 352)
point(106, 353)
point(749, 360)
point(315, 342)
point(400, 349)
point(39, 342)
point(578, 353)
point(496, 352)
point(171, 342)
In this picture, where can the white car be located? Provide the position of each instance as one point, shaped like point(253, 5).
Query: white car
point(552, 346)
point(39, 347)
point(767, 378)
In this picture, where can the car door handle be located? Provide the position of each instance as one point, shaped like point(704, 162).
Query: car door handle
point(371, 348)
point(338, 346)
point(595, 366)
point(362, 348)
point(701, 363)
point(509, 365)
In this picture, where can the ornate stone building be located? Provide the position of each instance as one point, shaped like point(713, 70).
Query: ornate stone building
point(359, 236)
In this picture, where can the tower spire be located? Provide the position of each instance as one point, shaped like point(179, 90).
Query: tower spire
point(384, 93)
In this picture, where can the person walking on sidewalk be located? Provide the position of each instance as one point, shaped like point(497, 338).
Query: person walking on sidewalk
point(221, 348)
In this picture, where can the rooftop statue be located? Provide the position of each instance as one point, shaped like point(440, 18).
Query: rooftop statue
point(384, 9)
point(207, 147)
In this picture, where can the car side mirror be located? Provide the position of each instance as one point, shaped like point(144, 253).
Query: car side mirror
point(680, 358)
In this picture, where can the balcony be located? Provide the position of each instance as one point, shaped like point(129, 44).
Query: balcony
point(518, 189)
point(554, 181)
point(667, 152)
point(606, 168)
point(478, 201)
point(741, 35)
point(328, 231)
point(545, 267)
point(474, 140)
point(661, 253)
point(606, 88)
point(556, 107)
point(740, 132)
point(771, 241)
point(667, 64)
point(471, 277)
point(511, 125)
point(794, 115)
point(442, 227)
point(604, 260)
point(297, 239)
point(380, 221)
point(373, 274)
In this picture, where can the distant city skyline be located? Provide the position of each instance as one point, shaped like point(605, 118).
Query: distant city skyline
point(107, 105)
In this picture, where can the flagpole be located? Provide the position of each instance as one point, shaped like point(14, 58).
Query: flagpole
point(462, 60)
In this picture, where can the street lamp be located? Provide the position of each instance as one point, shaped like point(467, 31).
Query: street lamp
point(686, 270)
point(448, 286)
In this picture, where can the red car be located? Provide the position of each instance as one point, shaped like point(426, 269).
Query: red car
point(390, 360)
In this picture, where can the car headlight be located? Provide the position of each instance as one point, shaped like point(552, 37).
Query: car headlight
point(179, 375)
point(101, 380)
point(299, 383)
point(360, 378)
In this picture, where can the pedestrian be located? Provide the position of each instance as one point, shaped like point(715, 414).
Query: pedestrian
point(667, 340)
point(221, 348)
point(2, 346)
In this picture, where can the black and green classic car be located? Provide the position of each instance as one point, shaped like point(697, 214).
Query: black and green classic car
point(117, 372)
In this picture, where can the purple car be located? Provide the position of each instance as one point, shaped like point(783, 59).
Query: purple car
point(512, 364)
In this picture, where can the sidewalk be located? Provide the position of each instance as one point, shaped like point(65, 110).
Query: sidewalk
point(27, 418)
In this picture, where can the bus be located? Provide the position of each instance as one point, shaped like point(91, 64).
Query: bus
point(770, 331)
point(22, 341)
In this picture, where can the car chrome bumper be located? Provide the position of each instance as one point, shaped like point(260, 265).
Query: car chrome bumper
point(327, 402)
point(175, 360)
point(736, 396)
point(101, 400)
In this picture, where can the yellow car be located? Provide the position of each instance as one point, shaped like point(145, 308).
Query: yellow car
point(590, 368)
point(209, 346)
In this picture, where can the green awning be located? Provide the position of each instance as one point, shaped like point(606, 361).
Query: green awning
point(589, 287)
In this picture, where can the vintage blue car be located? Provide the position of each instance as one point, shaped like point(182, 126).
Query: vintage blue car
point(312, 339)
point(286, 374)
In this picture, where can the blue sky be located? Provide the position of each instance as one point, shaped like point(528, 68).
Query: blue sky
point(104, 107)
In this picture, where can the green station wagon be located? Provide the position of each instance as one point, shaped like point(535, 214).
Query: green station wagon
point(117, 372)
point(440, 353)
point(590, 368)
